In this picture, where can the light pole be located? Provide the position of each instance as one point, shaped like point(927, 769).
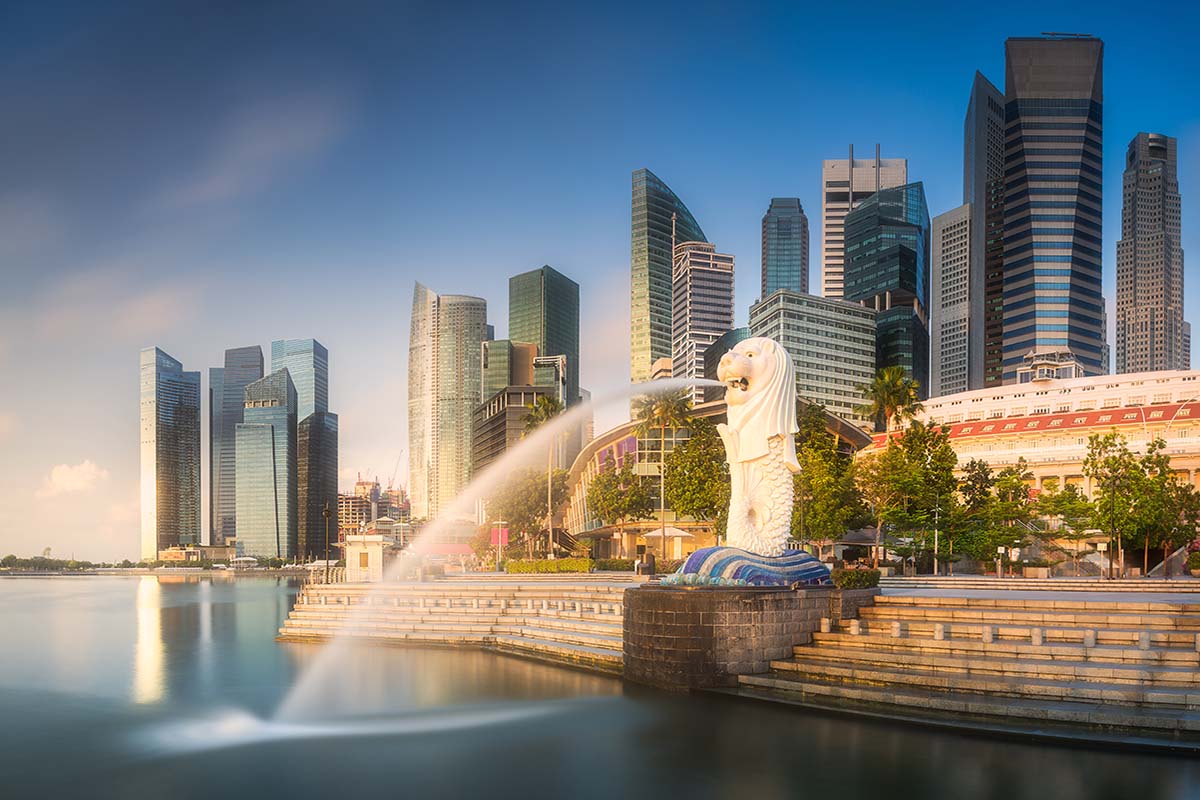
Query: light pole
point(326, 513)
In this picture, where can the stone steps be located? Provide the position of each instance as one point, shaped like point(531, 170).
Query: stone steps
point(1132, 585)
point(573, 623)
point(809, 669)
point(998, 664)
point(974, 630)
point(923, 704)
point(1031, 617)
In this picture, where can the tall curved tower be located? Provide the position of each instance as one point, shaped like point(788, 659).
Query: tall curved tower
point(654, 204)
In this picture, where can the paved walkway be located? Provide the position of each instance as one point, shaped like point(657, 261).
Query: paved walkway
point(1190, 598)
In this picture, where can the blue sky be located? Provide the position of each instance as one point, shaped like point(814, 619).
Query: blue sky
point(203, 176)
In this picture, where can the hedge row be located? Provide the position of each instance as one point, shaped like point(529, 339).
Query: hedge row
point(548, 565)
point(614, 565)
point(856, 578)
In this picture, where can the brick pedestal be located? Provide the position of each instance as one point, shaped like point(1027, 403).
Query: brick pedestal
point(684, 638)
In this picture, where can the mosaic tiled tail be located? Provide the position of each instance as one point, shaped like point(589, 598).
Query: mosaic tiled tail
point(729, 566)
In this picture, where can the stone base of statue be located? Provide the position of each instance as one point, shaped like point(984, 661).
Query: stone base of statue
point(730, 566)
point(701, 637)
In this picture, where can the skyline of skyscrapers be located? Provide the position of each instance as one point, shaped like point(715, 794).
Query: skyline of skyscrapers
point(307, 361)
point(702, 306)
point(266, 453)
point(659, 219)
point(887, 269)
point(844, 184)
point(226, 402)
point(169, 399)
point(1151, 331)
point(784, 246)
point(1053, 195)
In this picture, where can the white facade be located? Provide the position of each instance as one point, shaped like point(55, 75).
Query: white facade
point(701, 308)
point(838, 197)
point(950, 303)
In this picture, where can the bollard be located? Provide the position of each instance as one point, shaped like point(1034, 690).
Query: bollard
point(476, 603)
point(1089, 638)
point(896, 632)
point(420, 602)
point(939, 632)
point(827, 624)
point(503, 604)
point(855, 627)
point(1198, 642)
point(1144, 640)
point(396, 601)
point(989, 634)
point(1035, 637)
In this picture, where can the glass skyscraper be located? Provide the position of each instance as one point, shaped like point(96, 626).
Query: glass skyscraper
point(1053, 305)
point(226, 401)
point(655, 210)
point(887, 269)
point(307, 361)
point(170, 453)
point(265, 446)
point(445, 365)
point(316, 483)
point(543, 309)
point(784, 246)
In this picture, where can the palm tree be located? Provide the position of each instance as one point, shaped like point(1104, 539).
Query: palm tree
point(543, 409)
point(659, 411)
point(891, 395)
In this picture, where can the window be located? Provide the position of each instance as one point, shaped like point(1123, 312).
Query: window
point(364, 560)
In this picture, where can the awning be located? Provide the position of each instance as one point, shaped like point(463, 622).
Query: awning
point(672, 533)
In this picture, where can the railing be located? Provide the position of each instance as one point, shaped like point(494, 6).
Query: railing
point(336, 575)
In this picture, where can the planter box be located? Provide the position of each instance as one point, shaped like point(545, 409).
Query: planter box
point(1195, 573)
point(887, 572)
point(1035, 572)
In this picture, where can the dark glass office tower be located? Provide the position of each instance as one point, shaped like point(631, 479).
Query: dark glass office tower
point(316, 483)
point(226, 401)
point(983, 190)
point(654, 205)
point(784, 246)
point(1151, 332)
point(887, 269)
point(307, 361)
point(1053, 303)
point(170, 453)
point(543, 309)
point(265, 447)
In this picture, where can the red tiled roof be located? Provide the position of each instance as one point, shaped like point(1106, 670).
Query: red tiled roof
point(1072, 420)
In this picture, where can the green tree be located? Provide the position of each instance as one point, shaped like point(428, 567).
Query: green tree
point(9, 561)
point(1116, 475)
point(1072, 509)
point(521, 501)
point(698, 477)
point(540, 411)
point(892, 397)
point(658, 412)
point(976, 486)
point(878, 478)
point(619, 496)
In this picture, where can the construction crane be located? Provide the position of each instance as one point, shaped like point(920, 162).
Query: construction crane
point(395, 469)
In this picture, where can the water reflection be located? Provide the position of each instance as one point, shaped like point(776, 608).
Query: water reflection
point(148, 655)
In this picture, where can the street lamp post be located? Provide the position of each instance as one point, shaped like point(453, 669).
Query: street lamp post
point(326, 513)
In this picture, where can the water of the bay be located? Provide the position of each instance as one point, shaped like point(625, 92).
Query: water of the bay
point(141, 687)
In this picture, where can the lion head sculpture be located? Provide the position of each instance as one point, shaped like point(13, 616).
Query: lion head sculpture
point(760, 398)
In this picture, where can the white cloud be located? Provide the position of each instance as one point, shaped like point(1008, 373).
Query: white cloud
point(71, 478)
point(259, 143)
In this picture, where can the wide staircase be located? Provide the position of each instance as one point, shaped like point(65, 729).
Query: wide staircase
point(1128, 668)
point(569, 622)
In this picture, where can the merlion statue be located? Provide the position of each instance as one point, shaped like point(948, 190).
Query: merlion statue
point(760, 444)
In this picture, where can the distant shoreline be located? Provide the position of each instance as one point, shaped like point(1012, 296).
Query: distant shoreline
point(134, 571)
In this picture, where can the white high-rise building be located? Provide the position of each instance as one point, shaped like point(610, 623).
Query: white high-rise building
point(444, 368)
point(838, 197)
point(950, 305)
point(701, 308)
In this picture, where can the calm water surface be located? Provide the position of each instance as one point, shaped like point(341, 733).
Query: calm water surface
point(165, 687)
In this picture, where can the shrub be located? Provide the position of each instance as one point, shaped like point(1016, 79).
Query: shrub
point(614, 565)
point(856, 578)
point(1193, 560)
point(541, 566)
point(666, 566)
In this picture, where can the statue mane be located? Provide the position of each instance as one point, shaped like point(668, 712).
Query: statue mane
point(770, 410)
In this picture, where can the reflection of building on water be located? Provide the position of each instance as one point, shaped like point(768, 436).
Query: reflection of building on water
point(148, 662)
